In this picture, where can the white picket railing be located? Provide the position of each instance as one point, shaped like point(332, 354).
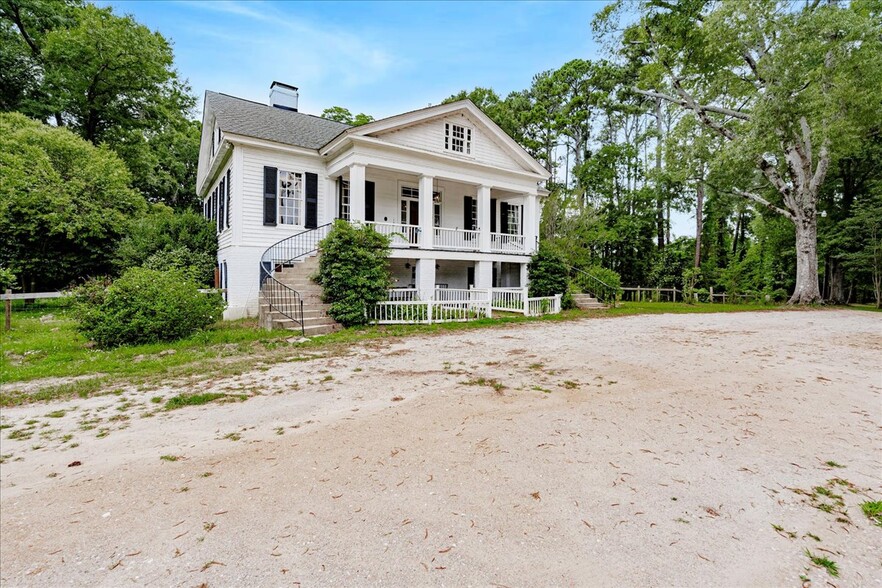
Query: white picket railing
point(459, 239)
point(508, 299)
point(402, 235)
point(541, 305)
point(447, 305)
point(504, 243)
point(403, 294)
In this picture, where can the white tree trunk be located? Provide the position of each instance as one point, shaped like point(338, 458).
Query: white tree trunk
point(807, 289)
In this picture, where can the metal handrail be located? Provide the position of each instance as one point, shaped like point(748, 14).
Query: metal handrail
point(283, 299)
point(603, 291)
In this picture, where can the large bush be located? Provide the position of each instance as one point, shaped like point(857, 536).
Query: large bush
point(353, 271)
point(144, 306)
point(549, 274)
point(167, 240)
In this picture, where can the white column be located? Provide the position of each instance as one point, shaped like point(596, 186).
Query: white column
point(483, 275)
point(425, 278)
point(427, 230)
point(531, 211)
point(525, 278)
point(484, 218)
point(356, 192)
point(329, 212)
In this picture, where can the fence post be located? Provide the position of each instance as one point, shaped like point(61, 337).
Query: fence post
point(711, 295)
point(430, 303)
point(8, 309)
point(525, 294)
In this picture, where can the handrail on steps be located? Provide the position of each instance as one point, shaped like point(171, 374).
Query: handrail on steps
point(602, 291)
point(280, 297)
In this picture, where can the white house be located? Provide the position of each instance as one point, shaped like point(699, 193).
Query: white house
point(459, 196)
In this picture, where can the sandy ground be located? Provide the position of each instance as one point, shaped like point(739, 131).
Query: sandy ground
point(651, 450)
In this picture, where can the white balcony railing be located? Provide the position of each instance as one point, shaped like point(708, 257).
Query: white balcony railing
point(402, 235)
point(503, 243)
point(459, 239)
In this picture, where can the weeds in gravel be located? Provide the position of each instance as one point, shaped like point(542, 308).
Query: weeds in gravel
point(491, 382)
point(169, 457)
point(780, 530)
point(824, 562)
point(873, 510)
point(182, 400)
point(833, 464)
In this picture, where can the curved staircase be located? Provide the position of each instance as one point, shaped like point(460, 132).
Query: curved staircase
point(289, 299)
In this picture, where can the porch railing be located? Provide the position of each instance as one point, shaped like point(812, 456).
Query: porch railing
point(446, 305)
point(459, 239)
point(542, 305)
point(401, 235)
point(504, 243)
point(508, 299)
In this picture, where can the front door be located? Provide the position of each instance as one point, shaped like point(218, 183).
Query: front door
point(410, 212)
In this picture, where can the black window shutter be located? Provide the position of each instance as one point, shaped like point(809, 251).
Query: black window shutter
point(503, 218)
point(493, 215)
point(214, 205)
point(222, 203)
point(229, 197)
point(522, 220)
point(270, 188)
point(467, 204)
point(370, 198)
point(311, 201)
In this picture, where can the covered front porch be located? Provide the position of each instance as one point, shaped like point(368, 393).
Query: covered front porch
point(434, 213)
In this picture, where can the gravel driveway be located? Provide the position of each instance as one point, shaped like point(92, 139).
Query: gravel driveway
point(664, 450)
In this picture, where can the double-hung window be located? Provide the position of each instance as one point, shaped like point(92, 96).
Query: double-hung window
point(457, 138)
point(290, 198)
point(344, 200)
point(514, 219)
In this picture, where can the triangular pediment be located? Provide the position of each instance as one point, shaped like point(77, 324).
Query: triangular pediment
point(458, 130)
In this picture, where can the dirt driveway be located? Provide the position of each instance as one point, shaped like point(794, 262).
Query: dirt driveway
point(666, 450)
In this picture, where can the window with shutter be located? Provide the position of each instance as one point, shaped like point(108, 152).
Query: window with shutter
point(221, 204)
point(270, 186)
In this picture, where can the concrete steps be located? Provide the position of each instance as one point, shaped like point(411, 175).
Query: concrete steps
point(315, 312)
point(587, 302)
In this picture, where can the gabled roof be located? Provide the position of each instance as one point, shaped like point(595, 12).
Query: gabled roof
point(252, 119)
point(400, 121)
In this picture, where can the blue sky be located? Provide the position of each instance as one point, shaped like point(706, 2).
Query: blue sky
point(380, 58)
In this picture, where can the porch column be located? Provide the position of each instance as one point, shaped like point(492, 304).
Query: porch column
point(356, 192)
point(427, 230)
point(483, 220)
point(525, 278)
point(531, 210)
point(330, 202)
point(425, 278)
point(483, 275)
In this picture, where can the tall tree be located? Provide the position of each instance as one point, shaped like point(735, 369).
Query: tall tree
point(783, 85)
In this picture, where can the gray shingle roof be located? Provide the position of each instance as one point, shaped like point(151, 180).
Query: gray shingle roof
point(244, 117)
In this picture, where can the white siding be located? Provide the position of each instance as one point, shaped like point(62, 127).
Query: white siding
point(253, 161)
point(429, 136)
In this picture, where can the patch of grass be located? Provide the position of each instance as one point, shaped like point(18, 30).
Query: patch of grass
point(182, 400)
point(206, 474)
point(780, 530)
point(873, 510)
point(169, 457)
point(5, 426)
point(56, 414)
point(20, 434)
point(824, 562)
point(570, 385)
point(232, 436)
point(491, 382)
point(156, 399)
point(833, 464)
point(280, 430)
point(813, 536)
point(541, 389)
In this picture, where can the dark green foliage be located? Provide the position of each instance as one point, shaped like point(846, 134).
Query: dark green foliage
point(64, 204)
point(353, 271)
point(145, 306)
point(549, 275)
point(164, 240)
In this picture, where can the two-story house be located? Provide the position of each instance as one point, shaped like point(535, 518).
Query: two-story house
point(460, 198)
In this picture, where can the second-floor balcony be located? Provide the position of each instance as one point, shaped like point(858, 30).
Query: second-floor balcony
point(405, 235)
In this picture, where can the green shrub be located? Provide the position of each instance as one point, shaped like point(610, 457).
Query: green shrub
point(197, 266)
point(549, 274)
point(144, 306)
point(353, 271)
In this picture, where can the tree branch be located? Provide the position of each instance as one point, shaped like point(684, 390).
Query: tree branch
point(760, 200)
point(685, 104)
